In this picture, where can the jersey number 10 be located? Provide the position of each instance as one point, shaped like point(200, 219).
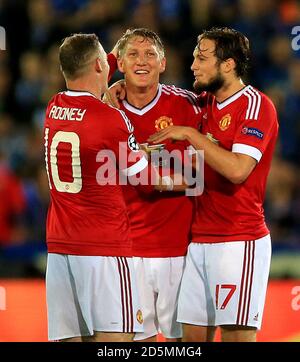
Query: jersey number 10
point(67, 137)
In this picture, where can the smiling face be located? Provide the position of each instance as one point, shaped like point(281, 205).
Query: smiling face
point(142, 63)
point(207, 70)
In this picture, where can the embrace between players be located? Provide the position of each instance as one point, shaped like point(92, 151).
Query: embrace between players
point(127, 262)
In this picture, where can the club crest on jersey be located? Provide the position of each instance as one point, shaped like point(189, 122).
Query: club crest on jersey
point(132, 143)
point(253, 132)
point(139, 316)
point(211, 138)
point(163, 122)
point(225, 122)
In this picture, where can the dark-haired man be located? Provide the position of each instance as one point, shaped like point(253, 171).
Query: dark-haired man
point(227, 266)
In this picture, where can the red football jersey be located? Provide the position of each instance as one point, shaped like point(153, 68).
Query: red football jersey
point(160, 222)
point(86, 215)
point(244, 123)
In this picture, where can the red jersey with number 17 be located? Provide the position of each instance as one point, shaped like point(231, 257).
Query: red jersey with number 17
point(245, 123)
point(87, 213)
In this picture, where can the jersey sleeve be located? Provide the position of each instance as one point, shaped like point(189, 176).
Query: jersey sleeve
point(113, 65)
point(131, 161)
point(257, 126)
point(122, 142)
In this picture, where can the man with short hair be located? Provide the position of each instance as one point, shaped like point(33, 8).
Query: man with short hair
point(227, 265)
point(90, 281)
point(160, 222)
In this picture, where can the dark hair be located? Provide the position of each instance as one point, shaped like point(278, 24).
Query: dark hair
point(145, 34)
point(230, 43)
point(76, 52)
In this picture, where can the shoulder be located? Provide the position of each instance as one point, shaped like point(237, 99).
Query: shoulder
point(256, 103)
point(54, 99)
point(177, 92)
point(118, 117)
point(183, 96)
point(104, 108)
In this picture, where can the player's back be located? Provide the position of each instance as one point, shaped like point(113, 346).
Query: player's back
point(84, 218)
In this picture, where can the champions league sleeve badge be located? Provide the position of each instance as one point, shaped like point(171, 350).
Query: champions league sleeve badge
point(132, 143)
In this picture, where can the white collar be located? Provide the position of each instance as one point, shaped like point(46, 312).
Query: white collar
point(145, 109)
point(72, 93)
point(232, 98)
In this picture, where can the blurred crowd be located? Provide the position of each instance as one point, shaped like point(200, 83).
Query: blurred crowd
point(29, 76)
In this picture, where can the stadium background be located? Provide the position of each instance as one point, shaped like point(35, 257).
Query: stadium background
point(29, 76)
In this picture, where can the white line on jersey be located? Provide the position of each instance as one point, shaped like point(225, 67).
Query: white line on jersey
point(183, 93)
point(254, 102)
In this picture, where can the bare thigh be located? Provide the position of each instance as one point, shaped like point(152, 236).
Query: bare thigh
point(193, 333)
point(102, 337)
point(238, 334)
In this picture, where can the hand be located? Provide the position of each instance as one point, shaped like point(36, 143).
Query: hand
point(115, 93)
point(177, 133)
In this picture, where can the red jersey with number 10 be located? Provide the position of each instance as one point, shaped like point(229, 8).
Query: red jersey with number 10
point(85, 217)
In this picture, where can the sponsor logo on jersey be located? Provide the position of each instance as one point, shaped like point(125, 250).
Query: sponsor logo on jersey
point(211, 138)
point(163, 122)
point(139, 316)
point(253, 132)
point(225, 122)
point(132, 143)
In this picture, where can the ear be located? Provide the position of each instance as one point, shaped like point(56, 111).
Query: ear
point(98, 66)
point(121, 65)
point(163, 64)
point(228, 65)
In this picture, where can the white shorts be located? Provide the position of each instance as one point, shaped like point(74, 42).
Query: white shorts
point(225, 283)
point(158, 281)
point(91, 293)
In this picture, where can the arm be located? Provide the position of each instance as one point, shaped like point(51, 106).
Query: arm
point(133, 162)
point(113, 65)
point(174, 183)
point(235, 167)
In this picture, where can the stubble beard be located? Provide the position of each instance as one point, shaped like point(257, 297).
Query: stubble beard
point(212, 86)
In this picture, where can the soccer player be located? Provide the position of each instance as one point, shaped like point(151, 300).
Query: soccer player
point(227, 265)
point(160, 222)
point(91, 290)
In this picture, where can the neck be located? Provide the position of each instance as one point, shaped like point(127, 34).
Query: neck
point(228, 89)
point(85, 86)
point(139, 97)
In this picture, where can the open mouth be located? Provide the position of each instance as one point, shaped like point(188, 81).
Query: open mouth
point(141, 71)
